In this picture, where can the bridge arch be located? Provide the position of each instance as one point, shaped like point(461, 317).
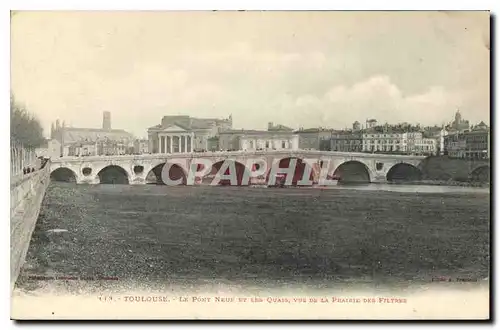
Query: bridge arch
point(481, 174)
point(300, 169)
point(240, 168)
point(404, 172)
point(352, 171)
point(113, 174)
point(176, 172)
point(63, 174)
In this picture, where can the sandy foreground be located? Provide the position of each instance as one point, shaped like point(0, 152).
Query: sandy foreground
point(101, 252)
point(437, 301)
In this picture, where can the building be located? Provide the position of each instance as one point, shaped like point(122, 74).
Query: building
point(179, 134)
point(141, 146)
point(278, 127)
point(471, 144)
point(325, 145)
point(455, 145)
point(276, 137)
point(411, 141)
point(383, 142)
point(437, 133)
point(265, 140)
point(213, 143)
point(349, 141)
point(480, 127)
point(356, 126)
point(423, 146)
point(230, 139)
point(393, 141)
point(54, 149)
point(84, 148)
point(110, 147)
point(438, 136)
point(489, 143)
point(458, 125)
point(402, 138)
point(258, 140)
point(106, 120)
point(477, 144)
point(311, 138)
point(371, 123)
point(91, 141)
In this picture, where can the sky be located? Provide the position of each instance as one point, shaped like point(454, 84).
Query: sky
point(300, 69)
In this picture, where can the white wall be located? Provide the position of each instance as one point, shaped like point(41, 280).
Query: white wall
point(54, 149)
point(201, 140)
point(276, 142)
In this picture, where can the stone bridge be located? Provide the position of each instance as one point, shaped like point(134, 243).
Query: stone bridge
point(141, 169)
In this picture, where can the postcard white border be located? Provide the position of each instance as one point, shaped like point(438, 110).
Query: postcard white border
point(492, 5)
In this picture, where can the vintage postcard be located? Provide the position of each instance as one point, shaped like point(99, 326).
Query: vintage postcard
point(250, 165)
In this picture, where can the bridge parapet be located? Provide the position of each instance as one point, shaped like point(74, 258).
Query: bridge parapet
point(301, 153)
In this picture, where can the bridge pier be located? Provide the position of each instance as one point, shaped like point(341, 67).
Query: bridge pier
point(379, 179)
point(137, 181)
point(87, 180)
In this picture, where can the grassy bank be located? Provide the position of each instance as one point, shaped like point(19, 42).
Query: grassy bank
point(152, 234)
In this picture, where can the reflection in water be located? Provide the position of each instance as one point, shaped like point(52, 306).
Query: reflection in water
point(408, 188)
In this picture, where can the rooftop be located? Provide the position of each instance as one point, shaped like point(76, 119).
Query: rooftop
point(253, 131)
point(189, 123)
point(314, 130)
point(74, 134)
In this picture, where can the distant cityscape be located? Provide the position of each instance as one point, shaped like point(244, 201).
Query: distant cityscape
point(185, 134)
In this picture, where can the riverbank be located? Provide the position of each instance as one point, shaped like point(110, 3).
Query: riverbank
point(445, 183)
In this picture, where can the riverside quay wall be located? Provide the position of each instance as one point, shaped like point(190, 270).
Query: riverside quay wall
point(444, 168)
point(26, 195)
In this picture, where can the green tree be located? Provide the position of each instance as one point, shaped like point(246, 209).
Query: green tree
point(25, 128)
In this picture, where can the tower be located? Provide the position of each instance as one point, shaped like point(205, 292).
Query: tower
point(458, 118)
point(106, 120)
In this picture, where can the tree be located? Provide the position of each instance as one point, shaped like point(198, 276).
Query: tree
point(25, 128)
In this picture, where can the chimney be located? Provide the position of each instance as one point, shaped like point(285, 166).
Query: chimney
point(106, 120)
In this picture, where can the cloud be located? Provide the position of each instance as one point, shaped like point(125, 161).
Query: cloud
point(376, 97)
point(300, 69)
